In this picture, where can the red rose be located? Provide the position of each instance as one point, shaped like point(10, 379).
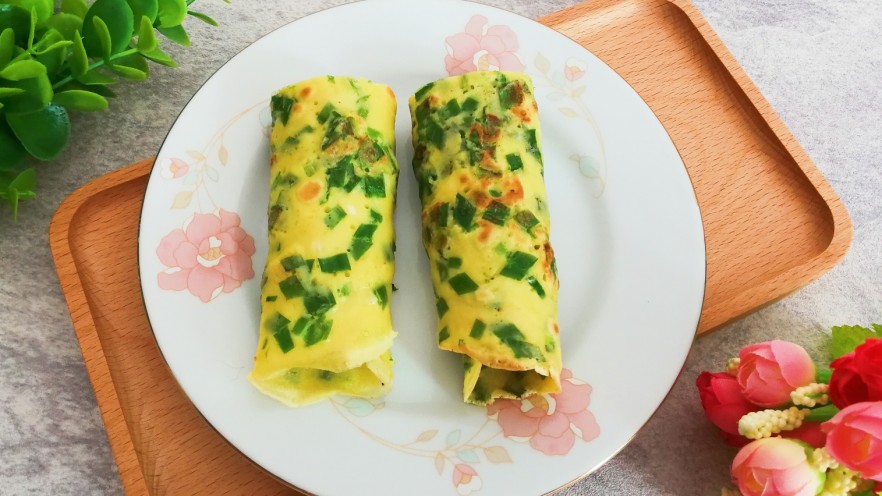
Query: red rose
point(724, 405)
point(857, 376)
point(809, 433)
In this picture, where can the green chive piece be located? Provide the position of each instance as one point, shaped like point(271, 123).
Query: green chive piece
point(536, 286)
point(335, 263)
point(344, 290)
point(325, 375)
point(362, 240)
point(318, 303)
point(495, 193)
point(452, 108)
point(463, 212)
point(422, 91)
point(477, 329)
point(281, 108)
point(496, 213)
point(334, 217)
point(376, 217)
point(443, 335)
point(278, 324)
point(550, 343)
point(526, 219)
point(443, 213)
point(470, 104)
point(374, 186)
point(325, 113)
point(443, 271)
point(514, 161)
point(462, 284)
point(518, 264)
point(514, 339)
point(454, 262)
point(317, 332)
point(301, 325)
point(441, 307)
point(382, 295)
point(435, 133)
point(271, 298)
point(291, 287)
point(292, 262)
point(533, 144)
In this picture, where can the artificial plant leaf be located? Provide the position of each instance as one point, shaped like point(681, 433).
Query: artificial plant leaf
point(7, 46)
point(176, 34)
point(101, 33)
point(21, 187)
point(160, 57)
point(129, 72)
point(96, 77)
point(8, 92)
point(23, 69)
point(142, 8)
point(117, 17)
point(75, 7)
point(12, 154)
point(66, 24)
point(52, 51)
point(847, 338)
point(37, 94)
point(42, 133)
point(83, 101)
point(51, 40)
point(146, 36)
point(202, 17)
point(42, 8)
point(171, 13)
point(79, 60)
point(18, 19)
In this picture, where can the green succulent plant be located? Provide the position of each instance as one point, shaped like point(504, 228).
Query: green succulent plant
point(56, 59)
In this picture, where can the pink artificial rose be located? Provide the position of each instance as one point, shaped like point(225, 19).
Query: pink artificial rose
point(770, 371)
point(211, 256)
point(724, 405)
point(482, 48)
point(854, 438)
point(776, 466)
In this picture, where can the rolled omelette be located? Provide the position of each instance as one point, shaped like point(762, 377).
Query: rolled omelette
point(478, 164)
point(325, 323)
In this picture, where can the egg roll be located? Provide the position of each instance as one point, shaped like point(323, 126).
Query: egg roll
point(478, 164)
point(325, 322)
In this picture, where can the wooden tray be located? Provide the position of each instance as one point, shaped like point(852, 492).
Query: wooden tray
point(772, 224)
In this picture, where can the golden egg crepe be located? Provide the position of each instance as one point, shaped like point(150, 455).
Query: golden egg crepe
point(485, 229)
point(325, 324)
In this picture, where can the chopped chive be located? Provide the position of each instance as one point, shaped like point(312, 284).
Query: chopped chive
point(533, 144)
point(272, 298)
point(443, 213)
point(452, 108)
point(422, 91)
point(335, 263)
point(325, 113)
point(501, 249)
point(324, 375)
point(292, 262)
point(278, 324)
point(363, 112)
point(376, 217)
point(554, 266)
point(317, 332)
point(342, 174)
point(469, 104)
point(362, 240)
point(496, 213)
point(495, 193)
point(301, 325)
point(514, 161)
point(512, 337)
point(443, 335)
point(331, 78)
point(291, 287)
point(382, 295)
point(463, 212)
point(443, 271)
point(454, 262)
point(344, 290)
point(284, 180)
point(441, 307)
point(462, 284)
point(281, 108)
point(334, 217)
point(526, 219)
point(435, 133)
point(318, 303)
point(374, 134)
point(550, 343)
point(374, 186)
point(536, 286)
point(518, 264)
point(477, 329)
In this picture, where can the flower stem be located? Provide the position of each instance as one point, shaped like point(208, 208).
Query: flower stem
point(100, 63)
point(822, 414)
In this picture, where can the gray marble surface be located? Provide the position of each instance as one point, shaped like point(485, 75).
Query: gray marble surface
point(818, 62)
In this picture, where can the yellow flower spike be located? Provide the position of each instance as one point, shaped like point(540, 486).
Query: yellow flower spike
point(765, 423)
point(810, 395)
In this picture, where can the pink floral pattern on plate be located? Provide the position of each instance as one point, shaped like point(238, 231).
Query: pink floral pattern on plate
point(482, 47)
point(210, 256)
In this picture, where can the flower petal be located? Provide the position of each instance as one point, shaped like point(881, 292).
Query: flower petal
point(203, 281)
point(475, 26)
point(554, 425)
point(230, 284)
point(462, 46)
point(572, 397)
point(507, 35)
point(185, 255)
point(554, 445)
point(246, 245)
point(515, 424)
point(203, 226)
point(238, 266)
point(492, 44)
point(586, 423)
point(508, 61)
point(228, 245)
point(456, 67)
point(175, 281)
point(167, 246)
point(500, 405)
point(228, 220)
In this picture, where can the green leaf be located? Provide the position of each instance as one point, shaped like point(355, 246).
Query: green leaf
point(822, 414)
point(66, 24)
point(101, 33)
point(23, 69)
point(160, 57)
point(202, 17)
point(32, 29)
point(117, 17)
point(43, 9)
point(132, 66)
point(95, 77)
point(79, 60)
point(146, 36)
point(7, 46)
point(11, 152)
point(171, 13)
point(144, 8)
point(78, 8)
point(84, 101)
point(20, 188)
point(129, 72)
point(847, 338)
point(52, 52)
point(7, 92)
point(37, 94)
point(18, 19)
point(176, 34)
point(51, 40)
point(42, 133)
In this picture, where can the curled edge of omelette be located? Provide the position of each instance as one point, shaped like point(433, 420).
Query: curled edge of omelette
point(478, 163)
point(325, 325)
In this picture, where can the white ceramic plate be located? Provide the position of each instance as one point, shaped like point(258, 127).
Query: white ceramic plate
point(625, 227)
